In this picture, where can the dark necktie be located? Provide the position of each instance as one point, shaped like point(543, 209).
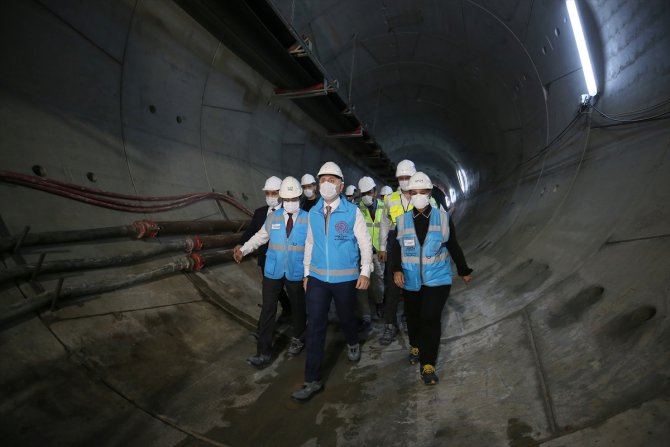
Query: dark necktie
point(327, 217)
point(289, 225)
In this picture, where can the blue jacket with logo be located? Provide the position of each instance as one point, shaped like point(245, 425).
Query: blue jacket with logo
point(285, 255)
point(335, 256)
point(427, 264)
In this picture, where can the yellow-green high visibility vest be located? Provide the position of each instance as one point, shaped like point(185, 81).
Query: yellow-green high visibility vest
point(373, 227)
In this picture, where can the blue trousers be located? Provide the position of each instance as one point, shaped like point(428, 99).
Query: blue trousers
point(318, 297)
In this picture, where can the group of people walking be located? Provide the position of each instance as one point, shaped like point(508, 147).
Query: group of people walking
point(320, 248)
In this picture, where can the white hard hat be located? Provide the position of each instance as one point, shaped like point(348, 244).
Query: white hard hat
point(351, 189)
point(307, 179)
point(419, 181)
point(405, 167)
point(366, 184)
point(290, 188)
point(386, 190)
point(330, 168)
point(272, 184)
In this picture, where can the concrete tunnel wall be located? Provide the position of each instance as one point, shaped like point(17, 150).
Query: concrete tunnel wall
point(561, 340)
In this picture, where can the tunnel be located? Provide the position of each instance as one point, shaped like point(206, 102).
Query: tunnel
point(121, 119)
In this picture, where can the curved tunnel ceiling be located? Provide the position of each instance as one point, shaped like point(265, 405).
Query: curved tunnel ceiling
point(561, 339)
point(460, 71)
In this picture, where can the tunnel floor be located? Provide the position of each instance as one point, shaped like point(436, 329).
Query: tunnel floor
point(174, 374)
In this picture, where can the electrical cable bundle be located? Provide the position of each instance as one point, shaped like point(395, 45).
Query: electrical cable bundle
point(106, 199)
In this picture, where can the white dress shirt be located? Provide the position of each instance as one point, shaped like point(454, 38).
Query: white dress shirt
point(360, 232)
point(262, 237)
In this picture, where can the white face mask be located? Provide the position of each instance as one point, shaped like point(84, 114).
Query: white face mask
point(291, 207)
point(403, 184)
point(367, 200)
point(309, 193)
point(273, 202)
point(420, 201)
point(328, 190)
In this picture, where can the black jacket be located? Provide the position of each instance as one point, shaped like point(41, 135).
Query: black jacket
point(257, 222)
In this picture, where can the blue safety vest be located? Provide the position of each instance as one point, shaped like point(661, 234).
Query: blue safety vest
point(285, 255)
point(426, 264)
point(335, 255)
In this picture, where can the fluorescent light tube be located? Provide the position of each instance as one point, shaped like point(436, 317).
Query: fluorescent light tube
point(578, 32)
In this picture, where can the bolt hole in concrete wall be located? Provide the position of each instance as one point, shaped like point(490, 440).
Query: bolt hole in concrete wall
point(179, 119)
point(91, 177)
point(39, 170)
point(573, 309)
point(627, 327)
point(528, 276)
point(152, 108)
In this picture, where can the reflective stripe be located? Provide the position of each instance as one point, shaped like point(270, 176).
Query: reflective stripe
point(374, 225)
point(291, 247)
point(334, 272)
point(410, 260)
point(301, 220)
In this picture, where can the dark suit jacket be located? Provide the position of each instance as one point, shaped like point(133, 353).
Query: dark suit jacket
point(257, 222)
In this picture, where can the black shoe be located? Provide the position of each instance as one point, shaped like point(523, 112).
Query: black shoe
point(296, 346)
point(389, 335)
point(428, 375)
point(413, 355)
point(259, 361)
point(308, 390)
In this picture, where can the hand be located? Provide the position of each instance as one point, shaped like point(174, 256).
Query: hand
point(382, 256)
point(237, 254)
point(466, 279)
point(399, 279)
point(363, 282)
point(304, 283)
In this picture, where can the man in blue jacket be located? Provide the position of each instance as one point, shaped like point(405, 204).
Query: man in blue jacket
point(285, 231)
point(336, 232)
point(273, 202)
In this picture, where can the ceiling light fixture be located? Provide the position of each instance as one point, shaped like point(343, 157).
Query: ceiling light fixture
point(583, 49)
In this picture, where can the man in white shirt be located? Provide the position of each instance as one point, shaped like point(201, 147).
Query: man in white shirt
point(336, 231)
point(285, 231)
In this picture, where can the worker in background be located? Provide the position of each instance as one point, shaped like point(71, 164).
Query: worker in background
point(421, 266)
point(336, 232)
point(372, 209)
point(350, 192)
point(285, 230)
point(273, 203)
point(385, 191)
point(309, 191)
point(396, 204)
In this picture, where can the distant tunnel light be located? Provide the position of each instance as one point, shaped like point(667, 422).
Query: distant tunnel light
point(452, 195)
point(578, 31)
point(463, 180)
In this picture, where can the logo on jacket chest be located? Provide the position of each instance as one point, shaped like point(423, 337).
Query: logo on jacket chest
point(341, 230)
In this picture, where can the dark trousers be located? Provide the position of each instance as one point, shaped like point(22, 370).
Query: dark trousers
point(318, 298)
point(423, 310)
point(283, 297)
point(272, 289)
point(392, 292)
